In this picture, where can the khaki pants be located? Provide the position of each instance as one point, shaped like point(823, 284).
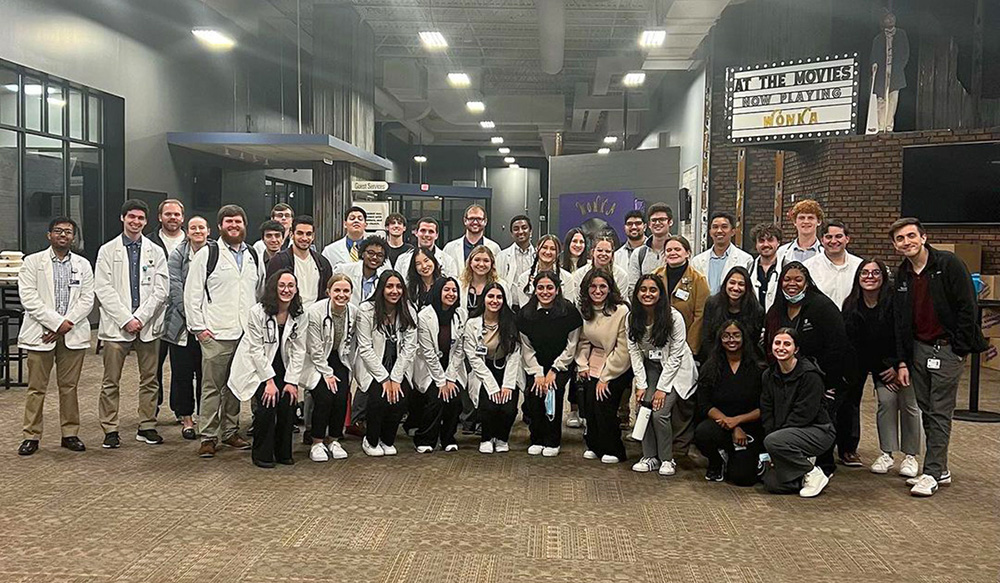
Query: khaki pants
point(147, 354)
point(887, 111)
point(69, 363)
point(220, 408)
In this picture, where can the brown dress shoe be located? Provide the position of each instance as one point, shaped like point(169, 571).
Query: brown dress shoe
point(207, 449)
point(237, 442)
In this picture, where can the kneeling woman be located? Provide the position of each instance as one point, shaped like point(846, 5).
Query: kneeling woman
point(602, 360)
point(387, 345)
point(267, 366)
point(493, 350)
point(796, 422)
point(662, 361)
point(332, 349)
point(550, 326)
point(439, 370)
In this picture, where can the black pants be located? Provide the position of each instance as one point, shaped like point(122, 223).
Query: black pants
point(415, 404)
point(330, 409)
point(165, 348)
point(185, 376)
point(497, 418)
point(742, 467)
point(603, 435)
point(384, 417)
point(544, 431)
point(848, 420)
point(272, 427)
point(439, 419)
point(825, 461)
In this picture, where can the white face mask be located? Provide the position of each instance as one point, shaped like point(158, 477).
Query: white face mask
point(796, 298)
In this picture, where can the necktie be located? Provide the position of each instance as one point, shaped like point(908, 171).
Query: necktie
point(354, 252)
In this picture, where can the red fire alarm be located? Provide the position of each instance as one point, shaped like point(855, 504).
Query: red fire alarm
point(425, 187)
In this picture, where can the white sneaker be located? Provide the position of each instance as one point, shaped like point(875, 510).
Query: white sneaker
point(883, 464)
point(944, 480)
point(535, 450)
point(925, 486)
point(589, 455)
point(909, 467)
point(813, 483)
point(373, 451)
point(337, 451)
point(501, 447)
point(318, 453)
point(486, 447)
point(451, 447)
point(550, 452)
point(424, 449)
point(573, 420)
point(387, 449)
point(609, 459)
point(646, 464)
point(668, 468)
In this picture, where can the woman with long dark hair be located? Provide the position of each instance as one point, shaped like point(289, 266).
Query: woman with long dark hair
point(730, 435)
point(387, 345)
point(574, 250)
point(550, 327)
point(439, 371)
point(267, 366)
point(546, 259)
point(603, 365)
point(868, 317)
point(602, 254)
point(493, 351)
point(664, 369)
point(425, 269)
point(735, 300)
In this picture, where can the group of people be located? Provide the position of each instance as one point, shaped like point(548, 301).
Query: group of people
point(760, 362)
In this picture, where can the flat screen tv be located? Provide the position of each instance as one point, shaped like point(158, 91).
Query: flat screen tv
point(950, 184)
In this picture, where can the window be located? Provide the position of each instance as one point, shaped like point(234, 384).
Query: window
point(8, 97)
point(43, 187)
point(9, 174)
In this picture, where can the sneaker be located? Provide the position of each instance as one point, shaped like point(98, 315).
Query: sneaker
point(424, 449)
point(111, 441)
point(851, 460)
point(371, 450)
point(925, 486)
point(646, 464)
point(589, 455)
point(550, 452)
point(714, 475)
point(501, 446)
point(451, 447)
point(28, 447)
point(573, 420)
point(944, 480)
point(318, 453)
point(609, 459)
point(909, 467)
point(535, 450)
point(337, 451)
point(813, 483)
point(388, 449)
point(150, 436)
point(72, 443)
point(237, 442)
point(486, 447)
point(668, 468)
point(207, 449)
point(883, 464)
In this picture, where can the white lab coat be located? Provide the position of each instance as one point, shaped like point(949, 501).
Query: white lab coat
point(319, 341)
point(233, 293)
point(572, 290)
point(463, 294)
point(337, 253)
point(355, 270)
point(511, 262)
point(737, 257)
point(481, 374)
point(525, 280)
point(772, 283)
point(113, 290)
point(255, 352)
point(371, 348)
point(427, 367)
point(679, 371)
point(36, 288)
point(456, 250)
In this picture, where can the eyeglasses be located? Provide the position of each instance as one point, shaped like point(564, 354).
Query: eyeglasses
point(871, 273)
point(736, 336)
point(58, 231)
point(475, 219)
point(633, 223)
point(374, 254)
point(659, 220)
point(285, 215)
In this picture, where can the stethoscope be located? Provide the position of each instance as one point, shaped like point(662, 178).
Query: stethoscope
point(328, 326)
point(271, 330)
point(496, 364)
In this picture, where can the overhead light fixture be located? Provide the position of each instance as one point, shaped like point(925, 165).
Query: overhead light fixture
point(610, 139)
point(420, 159)
point(213, 38)
point(653, 38)
point(634, 79)
point(505, 150)
point(56, 101)
point(514, 166)
point(509, 160)
point(496, 140)
point(604, 151)
point(12, 87)
point(459, 80)
point(475, 106)
point(487, 125)
point(433, 40)
point(32, 89)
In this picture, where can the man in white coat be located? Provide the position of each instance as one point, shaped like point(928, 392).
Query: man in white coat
point(833, 271)
point(715, 262)
point(346, 249)
point(764, 272)
point(475, 222)
point(517, 259)
point(131, 284)
point(365, 273)
point(427, 236)
point(56, 288)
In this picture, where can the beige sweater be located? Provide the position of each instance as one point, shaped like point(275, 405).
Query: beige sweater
point(603, 346)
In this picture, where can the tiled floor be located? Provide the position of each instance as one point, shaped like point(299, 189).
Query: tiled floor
point(160, 514)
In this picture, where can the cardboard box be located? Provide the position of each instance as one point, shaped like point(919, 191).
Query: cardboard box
point(991, 358)
point(991, 287)
point(970, 253)
point(991, 322)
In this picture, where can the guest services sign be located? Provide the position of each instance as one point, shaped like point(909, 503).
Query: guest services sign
point(793, 100)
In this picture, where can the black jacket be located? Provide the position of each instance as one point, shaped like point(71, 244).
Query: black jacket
point(286, 260)
point(954, 303)
point(822, 336)
point(793, 400)
point(871, 332)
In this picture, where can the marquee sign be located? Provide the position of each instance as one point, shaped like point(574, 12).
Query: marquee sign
point(793, 100)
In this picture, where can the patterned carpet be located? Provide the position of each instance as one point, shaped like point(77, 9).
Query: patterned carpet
point(160, 514)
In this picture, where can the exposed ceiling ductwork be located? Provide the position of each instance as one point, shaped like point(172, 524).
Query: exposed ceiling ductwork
point(551, 34)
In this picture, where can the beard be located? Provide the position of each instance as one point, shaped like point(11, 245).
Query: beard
point(230, 240)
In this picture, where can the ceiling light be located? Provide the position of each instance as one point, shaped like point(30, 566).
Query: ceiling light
point(420, 159)
point(610, 139)
point(433, 40)
point(56, 101)
point(509, 160)
point(634, 79)
point(475, 106)
point(12, 87)
point(604, 151)
point(459, 80)
point(33, 90)
point(213, 38)
point(505, 150)
point(652, 38)
point(487, 125)
point(496, 140)
point(514, 166)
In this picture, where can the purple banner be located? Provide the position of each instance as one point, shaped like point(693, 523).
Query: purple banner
point(596, 211)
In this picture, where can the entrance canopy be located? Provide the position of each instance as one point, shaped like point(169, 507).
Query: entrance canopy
point(283, 150)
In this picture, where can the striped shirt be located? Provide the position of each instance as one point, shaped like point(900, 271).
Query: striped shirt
point(62, 275)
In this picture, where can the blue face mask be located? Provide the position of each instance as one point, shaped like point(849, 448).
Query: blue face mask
point(796, 298)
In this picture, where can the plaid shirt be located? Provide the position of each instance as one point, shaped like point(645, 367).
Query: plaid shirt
point(62, 274)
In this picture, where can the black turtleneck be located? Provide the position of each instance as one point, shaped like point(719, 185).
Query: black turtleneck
point(674, 275)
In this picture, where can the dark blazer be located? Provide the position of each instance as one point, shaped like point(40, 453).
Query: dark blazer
point(286, 260)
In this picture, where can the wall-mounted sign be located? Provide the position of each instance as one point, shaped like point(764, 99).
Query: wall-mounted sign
point(793, 100)
point(596, 212)
point(377, 212)
point(369, 185)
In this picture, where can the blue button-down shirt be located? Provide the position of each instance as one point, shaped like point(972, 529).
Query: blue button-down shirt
point(134, 250)
point(238, 254)
point(368, 286)
point(62, 275)
point(716, 264)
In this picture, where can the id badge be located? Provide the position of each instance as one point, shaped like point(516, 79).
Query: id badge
point(682, 294)
point(933, 364)
point(480, 350)
point(655, 354)
point(74, 283)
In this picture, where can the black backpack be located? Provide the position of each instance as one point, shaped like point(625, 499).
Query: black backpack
point(213, 261)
